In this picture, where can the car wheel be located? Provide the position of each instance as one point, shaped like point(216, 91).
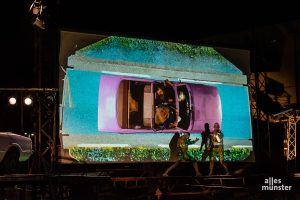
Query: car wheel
point(11, 162)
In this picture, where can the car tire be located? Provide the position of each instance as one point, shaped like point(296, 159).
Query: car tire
point(10, 163)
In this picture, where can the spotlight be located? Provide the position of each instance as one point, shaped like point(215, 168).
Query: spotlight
point(36, 7)
point(39, 23)
point(28, 101)
point(12, 101)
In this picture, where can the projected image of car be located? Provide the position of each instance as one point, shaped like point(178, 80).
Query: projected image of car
point(128, 105)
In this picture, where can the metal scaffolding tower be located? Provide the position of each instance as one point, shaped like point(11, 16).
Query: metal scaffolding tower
point(257, 84)
point(44, 115)
point(291, 134)
point(46, 131)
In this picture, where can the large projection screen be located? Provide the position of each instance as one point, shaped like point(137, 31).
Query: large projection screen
point(108, 110)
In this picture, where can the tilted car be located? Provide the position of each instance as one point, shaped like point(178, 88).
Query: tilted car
point(14, 149)
point(127, 105)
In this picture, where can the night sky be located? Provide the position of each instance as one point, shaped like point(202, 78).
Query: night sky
point(18, 56)
point(17, 47)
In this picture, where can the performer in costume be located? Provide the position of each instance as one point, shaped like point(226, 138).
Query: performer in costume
point(183, 156)
point(205, 142)
point(217, 147)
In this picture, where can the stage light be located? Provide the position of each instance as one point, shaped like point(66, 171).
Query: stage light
point(12, 101)
point(39, 23)
point(28, 101)
point(36, 7)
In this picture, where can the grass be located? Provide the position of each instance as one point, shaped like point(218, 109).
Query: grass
point(133, 154)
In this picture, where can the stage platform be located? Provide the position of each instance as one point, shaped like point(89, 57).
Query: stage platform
point(95, 185)
point(144, 180)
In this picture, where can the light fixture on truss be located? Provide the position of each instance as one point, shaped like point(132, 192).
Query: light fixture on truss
point(12, 100)
point(37, 9)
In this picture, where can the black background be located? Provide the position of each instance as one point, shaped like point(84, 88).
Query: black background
point(182, 23)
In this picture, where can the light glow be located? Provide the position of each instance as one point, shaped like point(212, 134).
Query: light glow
point(12, 101)
point(28, 101)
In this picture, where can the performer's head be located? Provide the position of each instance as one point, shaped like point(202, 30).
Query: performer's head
point(186, 134)
point(159, 89)
point(206, 126)
point(217, 127)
